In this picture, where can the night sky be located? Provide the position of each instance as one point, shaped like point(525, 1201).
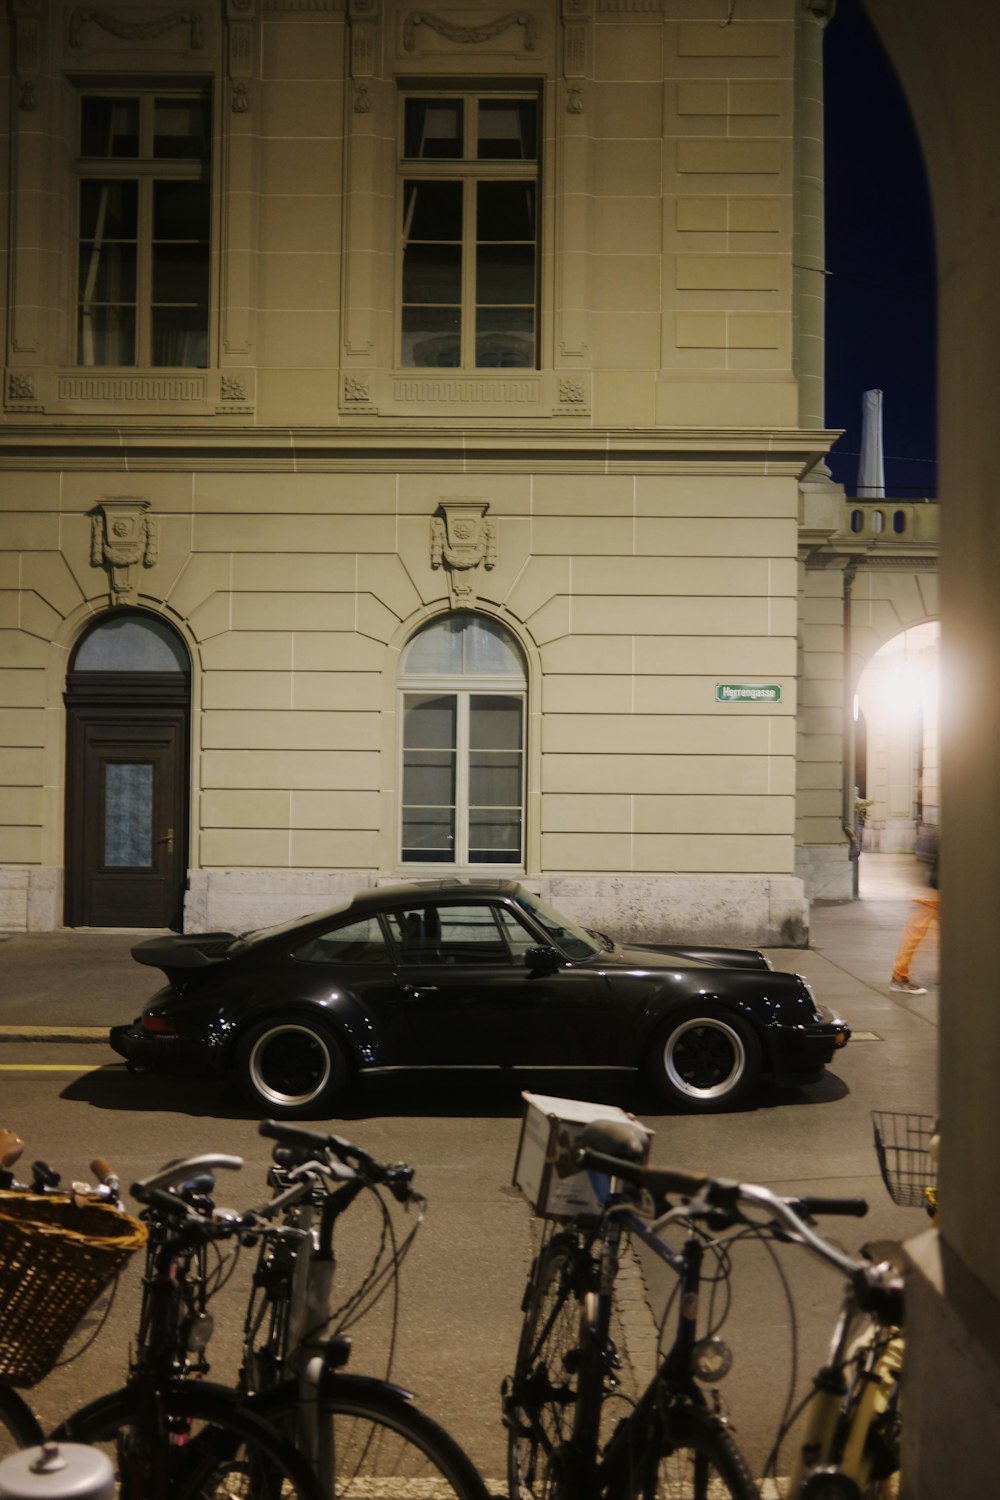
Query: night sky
point(880, 286)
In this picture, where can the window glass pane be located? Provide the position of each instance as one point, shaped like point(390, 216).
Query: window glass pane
point(181, 211)
point(432, 211)
point(109, 127)
point(574, 941)
point(106, 272)
point(433, 273)
point(181, 129)
point(429, 722)
point(432, 128)
point(505, 211)
point(494, 779)
point(428, 835)
point(505, 274)
point(359, 942)
point(416, 935)
point(108, 210)
point(494, 836)
point(463, 642)
point(105, 335)
point(180, 274)
point(128, 816)
point(431, 338)
point(180, 337)
point(497, 345)
point(494, 722)
point(506, 130)
point(131, 643)
point(429, 778)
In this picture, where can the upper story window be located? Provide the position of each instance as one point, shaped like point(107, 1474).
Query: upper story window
point(469, 297)
point(144, 229)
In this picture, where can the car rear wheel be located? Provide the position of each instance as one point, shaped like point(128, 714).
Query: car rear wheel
point(703, 1060)
point(291, 1068)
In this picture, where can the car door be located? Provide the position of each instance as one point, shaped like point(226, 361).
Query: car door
point(469, 996)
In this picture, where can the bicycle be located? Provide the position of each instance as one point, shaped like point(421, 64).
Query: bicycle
point(673, 1442)
point(172, 1434)
point(850, 1446)
point(363, 1435)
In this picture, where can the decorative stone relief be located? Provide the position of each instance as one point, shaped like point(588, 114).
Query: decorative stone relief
point(572, 392)
point(20, 388)
point(136, 31)
point(27, 51)
point(463, 540)
point(467, 34)
point(362, 100)
point(122, 536)
point(574, 99)
point(364, 19)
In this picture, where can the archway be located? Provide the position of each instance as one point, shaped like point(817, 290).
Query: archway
point(897, 701)
point(127, 714)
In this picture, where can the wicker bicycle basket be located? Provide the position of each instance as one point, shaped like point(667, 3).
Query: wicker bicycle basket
point(57, 1254)
point(903, 1148)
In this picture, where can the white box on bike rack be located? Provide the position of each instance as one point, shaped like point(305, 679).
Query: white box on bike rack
point(547, 1123)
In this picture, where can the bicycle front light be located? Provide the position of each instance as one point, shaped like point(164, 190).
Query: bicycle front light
point(711, 1359)
point(829, 1484)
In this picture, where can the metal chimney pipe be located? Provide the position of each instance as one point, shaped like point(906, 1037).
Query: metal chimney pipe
point(871, 464)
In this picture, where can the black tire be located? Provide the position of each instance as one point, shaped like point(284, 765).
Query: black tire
point(227, 1450)
point(705, 1060)
point(383, 1444)
point(18, 1425)
point(698, 1460)
point(540, 1399)
point(290, 1068)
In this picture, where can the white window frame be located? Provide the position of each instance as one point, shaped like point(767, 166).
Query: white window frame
point(144, 169)
point(469, 170)
point(463, 689)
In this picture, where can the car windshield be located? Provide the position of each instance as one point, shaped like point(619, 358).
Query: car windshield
point(572, 940)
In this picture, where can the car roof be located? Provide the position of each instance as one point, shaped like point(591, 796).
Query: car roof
point(416, 891)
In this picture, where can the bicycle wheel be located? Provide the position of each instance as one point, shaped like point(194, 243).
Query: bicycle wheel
point(697, 1460)
point(18, 1426)
point(384, 1448)
point(542, 1392)
point(216, 1449)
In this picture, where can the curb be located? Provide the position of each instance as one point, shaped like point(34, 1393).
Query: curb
point(54, 1033)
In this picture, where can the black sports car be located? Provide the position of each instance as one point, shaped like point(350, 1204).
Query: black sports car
point(443, 973)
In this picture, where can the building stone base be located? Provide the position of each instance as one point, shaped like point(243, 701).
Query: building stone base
point(826, 871)
point(769, 911)
point(951, 1377)
point(31, 898)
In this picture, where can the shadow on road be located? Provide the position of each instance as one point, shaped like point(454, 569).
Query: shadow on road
point(431, 1093)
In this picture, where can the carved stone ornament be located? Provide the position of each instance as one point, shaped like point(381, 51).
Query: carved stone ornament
point(467, 34)
point(122, 536)
point(135, 31)
point(463, 540)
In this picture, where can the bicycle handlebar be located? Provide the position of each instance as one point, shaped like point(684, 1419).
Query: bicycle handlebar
point(180, 1171)
point(397, 1177)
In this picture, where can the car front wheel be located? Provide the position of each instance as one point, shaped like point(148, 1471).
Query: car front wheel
point(705, 1061)
point(290, 1068)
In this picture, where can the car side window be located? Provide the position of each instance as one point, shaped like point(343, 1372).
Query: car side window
point(360, 942)
point(449, 935)
point(518, 936)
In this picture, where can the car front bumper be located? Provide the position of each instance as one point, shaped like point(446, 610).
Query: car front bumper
point(801, 1052)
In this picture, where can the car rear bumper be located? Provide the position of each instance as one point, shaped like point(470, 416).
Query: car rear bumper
point(162, 1054)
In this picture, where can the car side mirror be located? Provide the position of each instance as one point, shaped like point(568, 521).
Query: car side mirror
point(542, 960)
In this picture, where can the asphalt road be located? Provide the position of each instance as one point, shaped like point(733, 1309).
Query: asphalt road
point(461, 1285)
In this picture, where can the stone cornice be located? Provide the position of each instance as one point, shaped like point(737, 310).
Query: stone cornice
point(786, 451)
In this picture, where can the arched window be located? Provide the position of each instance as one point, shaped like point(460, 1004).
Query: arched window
point(462, 685)
point(131, 643)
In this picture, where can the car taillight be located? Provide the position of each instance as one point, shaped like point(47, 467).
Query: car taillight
point(161, 1024)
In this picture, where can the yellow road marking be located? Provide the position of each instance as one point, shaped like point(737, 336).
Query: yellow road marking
point(53, 1067)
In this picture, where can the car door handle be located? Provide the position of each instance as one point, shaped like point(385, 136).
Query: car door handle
point(414, 991)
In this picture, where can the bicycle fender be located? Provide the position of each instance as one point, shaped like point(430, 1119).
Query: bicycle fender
point(334, 1382)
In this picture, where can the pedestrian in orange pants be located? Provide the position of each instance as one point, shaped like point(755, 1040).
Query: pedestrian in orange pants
point(924, 916)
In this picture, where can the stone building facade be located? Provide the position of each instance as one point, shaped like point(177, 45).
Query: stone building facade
point(411, 462)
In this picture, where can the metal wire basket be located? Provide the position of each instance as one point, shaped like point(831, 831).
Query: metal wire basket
point(57, 1254)
point(903, 1148)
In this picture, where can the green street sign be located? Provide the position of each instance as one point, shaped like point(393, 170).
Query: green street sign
point(747, 692)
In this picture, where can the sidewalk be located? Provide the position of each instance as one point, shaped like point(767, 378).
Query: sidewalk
point(73, 985)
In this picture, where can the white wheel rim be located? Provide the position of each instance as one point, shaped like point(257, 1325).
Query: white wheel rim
point(258, 1066)
point(715, 1031)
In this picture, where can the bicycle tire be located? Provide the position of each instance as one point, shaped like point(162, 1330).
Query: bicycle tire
point(385, 1447)
point(19, 1428)
point(541, 1396)
point(233, 1453)
point(696, 1458)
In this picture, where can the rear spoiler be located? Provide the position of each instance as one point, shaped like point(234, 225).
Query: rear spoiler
point(197, 951)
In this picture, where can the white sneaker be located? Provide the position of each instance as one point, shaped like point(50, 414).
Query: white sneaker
point(907, 987)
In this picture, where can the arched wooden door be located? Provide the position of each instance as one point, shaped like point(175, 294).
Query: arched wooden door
point(128, 709)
